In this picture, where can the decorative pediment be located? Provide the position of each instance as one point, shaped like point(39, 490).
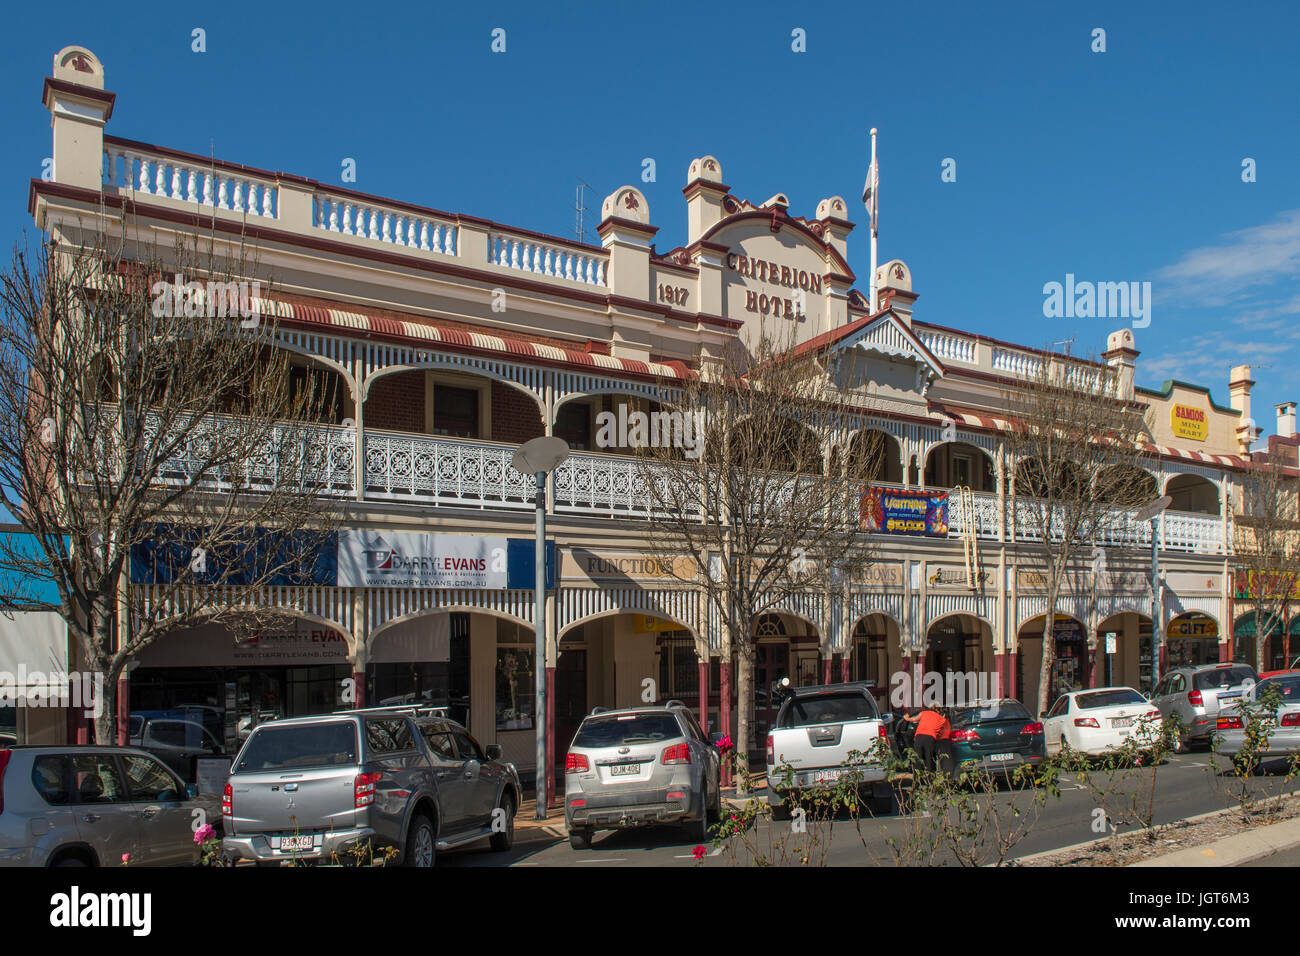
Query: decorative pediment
point(888, 335)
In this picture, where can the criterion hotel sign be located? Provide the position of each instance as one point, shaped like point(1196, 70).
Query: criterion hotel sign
point(772, 273)
point(1187, 421)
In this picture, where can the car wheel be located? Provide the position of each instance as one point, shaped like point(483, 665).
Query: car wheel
point(71, 861)
point(421, 849)
point(580, 839)
point(505, 838)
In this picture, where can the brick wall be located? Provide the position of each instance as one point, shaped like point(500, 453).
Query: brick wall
point(515, 416)
point(397, 402)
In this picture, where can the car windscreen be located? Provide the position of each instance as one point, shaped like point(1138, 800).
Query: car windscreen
point(1222, 677)
point(827, 709)
point(1286, 688)
point(616, 730)
point(1109, 698)
point(332, 744)
point(999, 710)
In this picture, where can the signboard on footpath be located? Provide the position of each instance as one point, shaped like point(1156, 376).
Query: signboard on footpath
point(903, 511)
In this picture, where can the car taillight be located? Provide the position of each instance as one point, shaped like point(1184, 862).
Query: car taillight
point(963, 736)
point(578, 802)
point(1291, 720)
point(771, 752)
point(4, 762)
point(1229, 723)
point(1035, 729)
point(1151, 714)
point(677, 753)
point(364, 788)
point(576, 763)
point(1086, 722)
point(1195, 699)
point(227, 802)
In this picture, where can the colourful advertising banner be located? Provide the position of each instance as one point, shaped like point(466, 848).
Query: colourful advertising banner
point(904, 511)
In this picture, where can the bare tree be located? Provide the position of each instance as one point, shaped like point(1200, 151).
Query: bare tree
point(152, 441)
point(763, 504)
point(1078, 447)
point(1266, 543)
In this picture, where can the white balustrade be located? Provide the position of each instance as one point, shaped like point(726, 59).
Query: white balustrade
point(189, 181)
point(547, 259)
point(944, 345)
point(1198, 533)
point(1016, 363)
point(389, 225)
point(984, 518)
point(445, 471)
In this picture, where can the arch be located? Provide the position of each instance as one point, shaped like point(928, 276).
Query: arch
point(181, 621)
point(873, 660)
point(445, 609)
point(615, 612)
point(970, 669)
point(1195, 641)
point(1131, 627)
point(882, 460)
point(1193, 493)
point(437, 364)
point(1126, 484)
point(329, 363)
point(1061, 479)
point(945, 470)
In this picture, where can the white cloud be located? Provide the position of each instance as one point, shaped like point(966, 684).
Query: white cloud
point(1247, 260)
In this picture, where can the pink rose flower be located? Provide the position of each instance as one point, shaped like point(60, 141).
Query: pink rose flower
point(699, 852)
point(203, 833)
point(126, 858)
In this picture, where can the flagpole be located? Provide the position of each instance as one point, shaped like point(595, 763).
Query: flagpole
point(872, 219)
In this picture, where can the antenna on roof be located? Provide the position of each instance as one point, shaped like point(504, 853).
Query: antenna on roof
point(1067, 343)
point(580, 207)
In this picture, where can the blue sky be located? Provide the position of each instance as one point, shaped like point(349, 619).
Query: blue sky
point(1117, 166)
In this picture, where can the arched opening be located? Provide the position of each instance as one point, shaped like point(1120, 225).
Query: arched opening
point(956, 464)
point(1246, 638)
point(777, 444)
point(1060, 480)
point(784, 646)
point(959, 663)
point(1069, 667)
point(1193, 493)
point(1191, 639)
point(875, 456)
point(877, 654)
point(1124, 657)
point(622, 424)
point(453, 405)
point(1125, 485)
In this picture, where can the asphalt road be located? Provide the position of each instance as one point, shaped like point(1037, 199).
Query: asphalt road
point(1184, 787)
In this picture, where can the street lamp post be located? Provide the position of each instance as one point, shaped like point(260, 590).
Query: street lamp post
point(1152, 512)
point(538, 457)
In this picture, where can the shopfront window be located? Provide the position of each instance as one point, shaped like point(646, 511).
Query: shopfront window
point(679, 674)
point(515, 678)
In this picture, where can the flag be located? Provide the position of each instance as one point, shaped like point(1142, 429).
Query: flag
point(870, 193)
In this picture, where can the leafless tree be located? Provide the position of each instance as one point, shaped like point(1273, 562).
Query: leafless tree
point(1078, 447)
point(153, 442)
point(764, 506)
point(1266, 545)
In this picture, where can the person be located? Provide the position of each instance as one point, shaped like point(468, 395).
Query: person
point(931, 727)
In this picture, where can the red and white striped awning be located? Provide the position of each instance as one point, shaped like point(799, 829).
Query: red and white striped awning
point(430, 334)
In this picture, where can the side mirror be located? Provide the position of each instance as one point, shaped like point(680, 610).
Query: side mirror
point(887, 718)
point(493, 751)
point(715, 738)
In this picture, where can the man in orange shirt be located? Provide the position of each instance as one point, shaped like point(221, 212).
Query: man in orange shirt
point(931, 727)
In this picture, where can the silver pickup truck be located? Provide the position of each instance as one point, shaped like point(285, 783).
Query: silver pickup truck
point(815, 732)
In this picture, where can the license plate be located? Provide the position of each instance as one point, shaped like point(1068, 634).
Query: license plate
point(296, 842)
point(1002, 756)
point(624, 769)
point(1122, 722)
point(825, 776)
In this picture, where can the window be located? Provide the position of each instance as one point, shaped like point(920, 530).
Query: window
point(50, 778)
point(149, 780)
point(679, 674)
point(1110, 698)
point(320, 391)
point(515, 677)
point(389, 736)
point(455, 411)
point(440, 743)
point(331, 744)
point(96, 780)
point(573, 424)
point(828, 709)
point(466, 746)
point(1059, 707)
point(1223, 677)
point(627, 729)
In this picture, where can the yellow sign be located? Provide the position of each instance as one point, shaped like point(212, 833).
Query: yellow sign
point(649, 624)
point(1186, 421)
point(1192, 627)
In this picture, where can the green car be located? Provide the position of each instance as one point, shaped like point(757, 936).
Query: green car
point(995, 735)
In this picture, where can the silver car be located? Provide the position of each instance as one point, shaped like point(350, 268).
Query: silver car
point(1195, 694)
point(96, 806)
point(331, 786)
point(639, 766)
point(1283, 730)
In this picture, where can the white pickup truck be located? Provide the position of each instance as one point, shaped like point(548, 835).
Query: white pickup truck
point(815, 731)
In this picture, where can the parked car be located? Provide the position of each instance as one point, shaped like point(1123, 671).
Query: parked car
point(816, 730)
point(8, 740)
point(314, 788)
point(1283, 728)
point(997, 735)
point(177, 743)
point(1099, 720)
point(88, 806)
point(640, 766)
point(1295, 666)
point(1195, 695)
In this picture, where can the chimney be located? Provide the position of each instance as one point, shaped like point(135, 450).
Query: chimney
point(894, 289)
point(1121, 354)
point(1239, 386)
point(1286, 420)
point(704, 193)
point(835, 228)
point(79, 108)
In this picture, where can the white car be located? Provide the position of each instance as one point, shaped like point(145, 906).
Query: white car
point(1104, 718)
point(1283, 731)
